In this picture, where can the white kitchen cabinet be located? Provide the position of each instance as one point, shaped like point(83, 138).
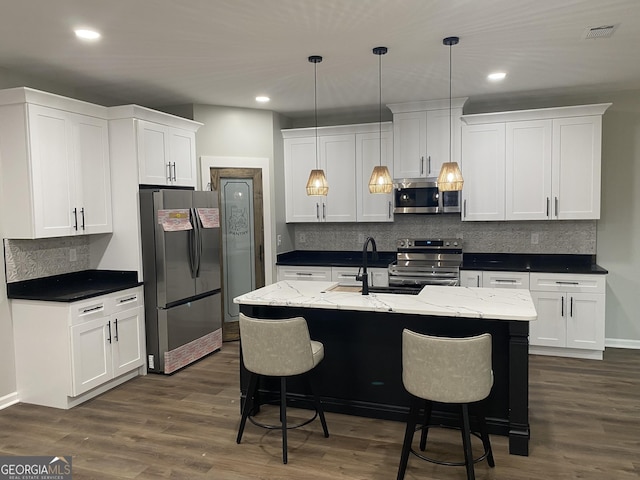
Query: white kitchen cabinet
point(301, 272)
point(378, 277)
point(552, 162)
point(571, 313)
point(84, 348)
point(494, 279)
point(58, 178)
point(167, 155)
point(344, 153)
point(483, 169)
point(470, 278)
point(373, 207)
point(422, 134)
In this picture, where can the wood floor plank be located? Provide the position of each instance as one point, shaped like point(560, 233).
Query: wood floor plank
point(584, 414)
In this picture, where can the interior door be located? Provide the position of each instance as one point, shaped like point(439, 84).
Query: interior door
point(241, 220)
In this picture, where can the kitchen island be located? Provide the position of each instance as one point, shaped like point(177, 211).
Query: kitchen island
point(361, 373)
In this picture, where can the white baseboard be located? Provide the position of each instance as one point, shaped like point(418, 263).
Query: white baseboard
point(565, 352)
point(9, 400)
point(622, 343)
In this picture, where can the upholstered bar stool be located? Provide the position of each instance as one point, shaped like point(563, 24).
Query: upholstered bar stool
point(452, 371)
point(278, 348)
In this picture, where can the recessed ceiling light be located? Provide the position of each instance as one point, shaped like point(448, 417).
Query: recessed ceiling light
point(496, 76)
point(262, 99)
point(86, 34)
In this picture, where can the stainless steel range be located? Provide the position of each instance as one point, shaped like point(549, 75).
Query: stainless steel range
point(422, 262)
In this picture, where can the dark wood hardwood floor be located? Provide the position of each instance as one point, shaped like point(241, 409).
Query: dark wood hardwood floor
point(585, 424)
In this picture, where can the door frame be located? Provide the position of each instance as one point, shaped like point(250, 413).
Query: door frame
point(207, 162)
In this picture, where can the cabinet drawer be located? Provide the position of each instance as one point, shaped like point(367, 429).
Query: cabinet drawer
point(304, 273)
point(345, 275)
point(125, 300)
point(566, 282)
point(505, 279)
point(87, 310)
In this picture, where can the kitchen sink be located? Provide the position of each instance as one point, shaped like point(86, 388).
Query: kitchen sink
point(358, 289)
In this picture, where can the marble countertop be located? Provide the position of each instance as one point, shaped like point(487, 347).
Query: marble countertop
point(491, 303)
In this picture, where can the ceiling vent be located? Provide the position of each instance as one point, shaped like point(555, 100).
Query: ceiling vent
point(603, 31)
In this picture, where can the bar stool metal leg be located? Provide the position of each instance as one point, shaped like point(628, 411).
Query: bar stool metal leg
point(428, 406)
point(318, 407)
point(412, 421)
point(248, 404)
point(283, 416)
point(466, 442)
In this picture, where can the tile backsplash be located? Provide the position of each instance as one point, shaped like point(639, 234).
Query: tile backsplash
point(560, 236)
point(29, 259)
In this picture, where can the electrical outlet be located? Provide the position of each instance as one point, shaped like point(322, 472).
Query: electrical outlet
point(302, 238)
point(535, 238)
point(150, 361)
point(73, 255)
point(279, 240)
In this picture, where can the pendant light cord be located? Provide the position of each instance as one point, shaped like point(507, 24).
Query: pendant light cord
point(315, 104)
point(450, 110)
point(380, 107)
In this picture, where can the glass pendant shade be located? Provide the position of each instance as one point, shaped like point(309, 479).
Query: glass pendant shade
point(317, 183)
point(450, 178)
point(380, 181)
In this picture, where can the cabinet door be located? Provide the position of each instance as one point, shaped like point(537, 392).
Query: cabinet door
point(373, 207)
point(90, 355)
point(153, 155)
point(299, 160)
point(182, 157)
point(470, 278)
point(410, 144)
point(585, 325)
point(550, 329)
point(92, 165)
point(128, 340)
point(483, 169)
point(576, 167)
point(439, 132)
point(53, 171)
point(338, 156)
point(528, 170)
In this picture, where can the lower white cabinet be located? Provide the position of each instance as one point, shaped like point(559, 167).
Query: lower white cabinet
point(84, 348)
point(571, 312)
point(494, 279)
point(378, 277)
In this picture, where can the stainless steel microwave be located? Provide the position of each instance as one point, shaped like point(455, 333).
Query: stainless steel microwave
point(421, 195)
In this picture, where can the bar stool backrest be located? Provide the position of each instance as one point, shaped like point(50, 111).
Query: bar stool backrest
point(276, 347)
point(447, 370)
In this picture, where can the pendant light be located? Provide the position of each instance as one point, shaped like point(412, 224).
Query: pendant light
point(317, 184)
point(450, 178)
point(380, 181)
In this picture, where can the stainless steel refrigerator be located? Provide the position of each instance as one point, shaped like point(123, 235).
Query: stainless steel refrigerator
point(181, 268)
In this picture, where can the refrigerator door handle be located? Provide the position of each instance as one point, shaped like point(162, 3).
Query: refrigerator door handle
point(192, 249)
point(198, 241)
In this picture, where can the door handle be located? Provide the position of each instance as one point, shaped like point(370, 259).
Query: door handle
point(464, 208)
point(75, 219)
point(389, 208)
point(109, 328)
point(477, 280)
point(82, 214)
point(571, 307)
point(562, 307)
point(169, 169)
point(324, 211)
point(116, 324)
point(547, 207)
point(421, 165)
point(429, 164)
point(556, 205)
point(175, 175)
point(317, 211)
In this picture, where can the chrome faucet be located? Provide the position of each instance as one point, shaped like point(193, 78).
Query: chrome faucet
point(364, 277)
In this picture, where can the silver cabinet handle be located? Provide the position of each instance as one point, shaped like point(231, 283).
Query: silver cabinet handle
point(571, 307)
point(75, 219)
point(175, 175)
point(169, 170)
point(116, 324)
point(389, 208)
point(305, 274)
point(560, 282)
point(464, 208)
point(324, 211)
point(421, 165)
point(556, 205)
point(128, 299)
point(109, 327)
point(317, 211)
point(505, 280)
point(82, 214)
point(429, 164)
point(477, 280)
point(562, 308)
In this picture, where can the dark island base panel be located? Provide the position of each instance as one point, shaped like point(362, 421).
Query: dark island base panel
point(361, 373)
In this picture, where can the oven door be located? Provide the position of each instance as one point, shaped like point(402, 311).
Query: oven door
point(416, 196)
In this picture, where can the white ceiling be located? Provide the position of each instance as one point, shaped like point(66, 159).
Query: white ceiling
point(225, 52)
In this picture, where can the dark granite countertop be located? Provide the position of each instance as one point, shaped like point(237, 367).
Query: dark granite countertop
point(330, 258)
point(525, 262)
point(72, 287)
point(513, 262)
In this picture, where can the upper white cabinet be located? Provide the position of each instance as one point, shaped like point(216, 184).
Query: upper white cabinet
point(422, 132)
point(167, 155)
point(55, 163)
point(165, 145)
point(347, 154)
point(546, 165)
